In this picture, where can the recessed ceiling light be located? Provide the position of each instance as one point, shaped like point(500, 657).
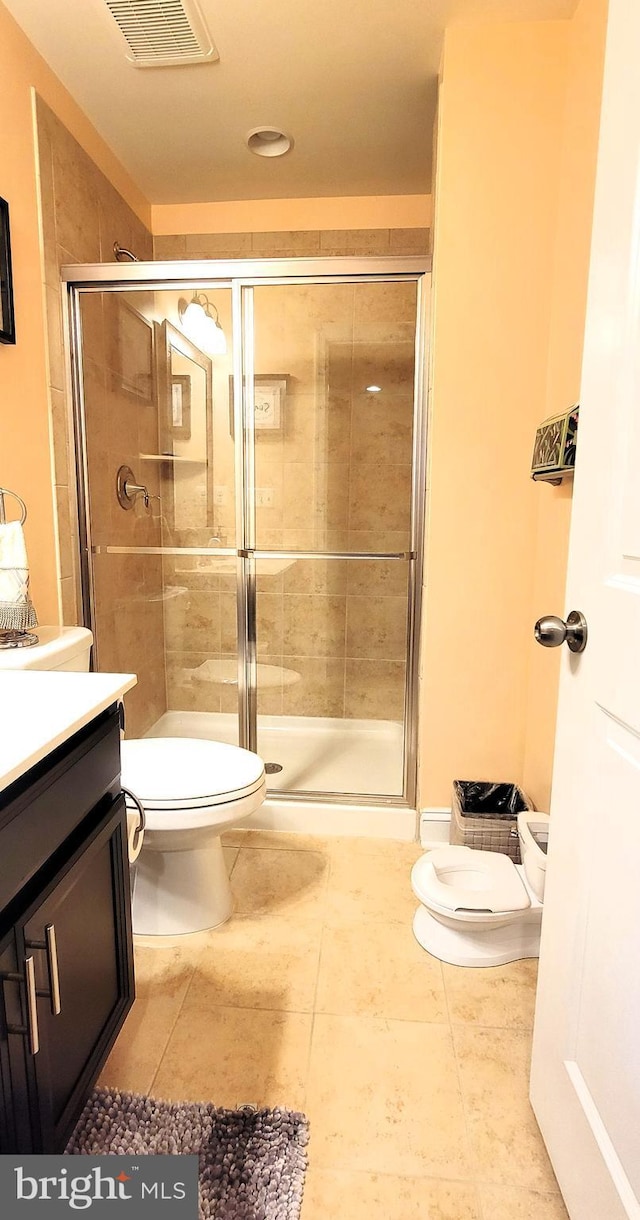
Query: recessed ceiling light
point(374, 389)
point(268, 142)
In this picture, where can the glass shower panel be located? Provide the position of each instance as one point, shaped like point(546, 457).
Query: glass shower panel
point(333, 443)
point(333, 414)
point(156, 411)
point(332, 642)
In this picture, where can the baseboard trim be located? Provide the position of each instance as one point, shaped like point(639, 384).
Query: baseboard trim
point(329, 818)
point(434, 827)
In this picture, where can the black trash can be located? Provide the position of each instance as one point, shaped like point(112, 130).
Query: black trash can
point(484, 816)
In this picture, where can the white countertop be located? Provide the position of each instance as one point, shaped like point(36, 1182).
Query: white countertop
point(39, 710)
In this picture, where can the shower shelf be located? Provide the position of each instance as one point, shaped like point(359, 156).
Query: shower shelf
point(170, 457)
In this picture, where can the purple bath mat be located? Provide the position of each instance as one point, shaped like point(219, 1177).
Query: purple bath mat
point(252, 1163)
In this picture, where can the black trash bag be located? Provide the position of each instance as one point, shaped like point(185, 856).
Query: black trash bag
point(484, 800)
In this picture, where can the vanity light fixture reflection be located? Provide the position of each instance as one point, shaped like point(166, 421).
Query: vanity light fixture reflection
point(374, 389)
point(200, 325)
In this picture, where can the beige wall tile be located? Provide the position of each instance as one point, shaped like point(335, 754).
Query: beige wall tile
point(278, 245)
point(377, 627)
point(171, 246)
point(384, 974)
point(383, 1196)
point(320, 691)
point(366, 1126)
point(314, 626)
point(375, 689)
point(507, 1146)
point(54, 338)
point(354, 241)
point(380, 497)
point(409, 241)
point(69, 602)
point(217, 245)
point(235, 1056)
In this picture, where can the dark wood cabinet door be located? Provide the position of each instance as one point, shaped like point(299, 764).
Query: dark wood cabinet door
point(85, 978)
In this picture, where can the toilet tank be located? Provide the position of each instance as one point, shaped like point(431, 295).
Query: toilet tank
point(533, 832)
point(59, 648)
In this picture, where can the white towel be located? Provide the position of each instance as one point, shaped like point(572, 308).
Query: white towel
point(16, 611)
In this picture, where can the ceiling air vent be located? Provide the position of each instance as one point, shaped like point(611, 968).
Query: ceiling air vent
point(162, 33)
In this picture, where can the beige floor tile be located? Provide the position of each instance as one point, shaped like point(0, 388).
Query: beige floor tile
point(162, 978)
point(394, 850)
point(510, 1203)
point(505, 1138)
point(272, 882)
point(370, 885)
point(379, 972)
point(263, 961)
point(230, 1056)
point(385, 1093)
point(502, 996)
point(277, 840)
point(334, 1194)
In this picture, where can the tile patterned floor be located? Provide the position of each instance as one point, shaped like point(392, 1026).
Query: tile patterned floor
point(316, 996)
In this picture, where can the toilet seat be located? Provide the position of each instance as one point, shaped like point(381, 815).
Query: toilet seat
point(179, 773)
point(468, 885)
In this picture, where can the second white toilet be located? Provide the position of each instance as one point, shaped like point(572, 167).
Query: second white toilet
point(478, 908)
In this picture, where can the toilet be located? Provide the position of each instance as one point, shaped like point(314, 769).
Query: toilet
point(478, 908)
point(190, 790)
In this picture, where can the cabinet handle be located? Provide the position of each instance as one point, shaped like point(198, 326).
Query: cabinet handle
point(52, 963)
point(50, 948)
point(32, 1006)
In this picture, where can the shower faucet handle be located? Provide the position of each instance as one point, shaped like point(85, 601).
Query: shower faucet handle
point(127, 489)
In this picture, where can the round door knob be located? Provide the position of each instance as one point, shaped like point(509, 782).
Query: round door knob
point(551, 631)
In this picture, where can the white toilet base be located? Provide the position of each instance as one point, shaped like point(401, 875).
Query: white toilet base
point(175, 892)
point(479, 947)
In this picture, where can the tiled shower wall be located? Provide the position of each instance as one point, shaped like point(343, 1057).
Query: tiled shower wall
point(82, 215)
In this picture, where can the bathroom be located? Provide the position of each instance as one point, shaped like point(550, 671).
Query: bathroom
point(293, 982)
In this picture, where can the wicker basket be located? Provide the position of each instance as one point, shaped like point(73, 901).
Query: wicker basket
point(483, 827)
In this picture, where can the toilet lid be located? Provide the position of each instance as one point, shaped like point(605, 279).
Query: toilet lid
point(466, 880)
point(186, 773)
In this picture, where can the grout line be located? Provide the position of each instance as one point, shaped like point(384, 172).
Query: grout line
point(171, 1031)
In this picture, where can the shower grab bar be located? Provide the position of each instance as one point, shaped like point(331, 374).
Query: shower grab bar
point(246, 553)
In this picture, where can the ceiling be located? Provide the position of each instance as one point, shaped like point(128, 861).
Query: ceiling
point(353, 81)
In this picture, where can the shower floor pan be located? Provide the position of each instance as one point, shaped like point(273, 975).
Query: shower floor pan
point(317, 754)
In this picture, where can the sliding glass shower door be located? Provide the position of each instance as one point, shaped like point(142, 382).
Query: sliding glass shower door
point(330, 372)
point(251, 518)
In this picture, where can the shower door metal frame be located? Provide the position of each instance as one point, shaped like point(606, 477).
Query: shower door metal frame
point(241, 277)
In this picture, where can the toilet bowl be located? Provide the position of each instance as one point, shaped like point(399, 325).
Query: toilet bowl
point(191, 791)
point(478, 908)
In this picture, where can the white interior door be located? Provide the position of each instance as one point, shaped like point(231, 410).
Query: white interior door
point(585, 1082)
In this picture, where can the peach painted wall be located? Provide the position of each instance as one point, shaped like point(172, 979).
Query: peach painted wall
point(500, 144)
point(25, 451)
point(568, 306)
point(284, 215)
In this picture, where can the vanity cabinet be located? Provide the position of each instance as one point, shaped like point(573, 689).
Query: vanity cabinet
point(66, 963)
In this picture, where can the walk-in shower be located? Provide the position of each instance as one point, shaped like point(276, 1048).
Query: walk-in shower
point(251, 520)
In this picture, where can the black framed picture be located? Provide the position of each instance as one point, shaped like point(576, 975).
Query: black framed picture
point(7, 322)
